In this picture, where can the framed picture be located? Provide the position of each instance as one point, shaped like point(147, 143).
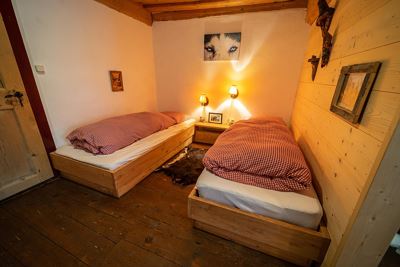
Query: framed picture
point(353, 89)
point(215, 118)
point(116, 81)
point(222, 46)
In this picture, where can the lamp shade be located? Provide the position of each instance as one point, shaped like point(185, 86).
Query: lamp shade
point(233, 91)
point(203, 100)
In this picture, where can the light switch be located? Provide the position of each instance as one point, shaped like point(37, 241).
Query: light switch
point(39, 69)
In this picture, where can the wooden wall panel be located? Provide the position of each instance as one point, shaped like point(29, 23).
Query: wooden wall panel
point(378, 218)
point(344, 157)
point(350, 15)
point(367, 35)
point(388, 79)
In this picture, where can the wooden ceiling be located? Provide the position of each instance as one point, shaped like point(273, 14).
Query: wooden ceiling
point(148, 11)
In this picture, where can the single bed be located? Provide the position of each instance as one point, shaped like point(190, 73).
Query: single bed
point(300, 208)
point(257, 191)
point(116, 173)
point(290, 242)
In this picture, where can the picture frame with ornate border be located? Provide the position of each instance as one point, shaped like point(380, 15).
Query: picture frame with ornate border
point(353, 89)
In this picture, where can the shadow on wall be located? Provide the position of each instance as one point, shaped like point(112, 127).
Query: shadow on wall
point(234, 109)
point(250, 49)
point(267, 83)
point(251, 43)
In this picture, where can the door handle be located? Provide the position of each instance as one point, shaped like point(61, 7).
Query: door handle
point(16, 95)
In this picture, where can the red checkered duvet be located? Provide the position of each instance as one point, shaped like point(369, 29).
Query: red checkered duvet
point(259, 152)
point(109, 135)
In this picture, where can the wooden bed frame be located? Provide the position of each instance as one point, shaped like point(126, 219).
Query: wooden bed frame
point(119, 181)
point(283, 240)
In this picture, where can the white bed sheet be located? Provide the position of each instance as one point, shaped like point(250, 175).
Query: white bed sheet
point(131, 152)
point(303, 209)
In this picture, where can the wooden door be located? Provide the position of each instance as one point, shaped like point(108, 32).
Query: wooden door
point(23, 159)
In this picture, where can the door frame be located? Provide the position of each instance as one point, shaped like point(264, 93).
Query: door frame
point(24, 66)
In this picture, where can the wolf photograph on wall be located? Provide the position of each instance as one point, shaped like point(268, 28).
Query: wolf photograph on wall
point(222, 46)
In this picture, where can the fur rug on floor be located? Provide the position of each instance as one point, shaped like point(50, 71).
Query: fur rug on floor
point(185, 168)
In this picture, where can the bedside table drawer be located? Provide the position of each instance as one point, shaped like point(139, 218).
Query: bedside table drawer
point(206, 137)
point(207, 133)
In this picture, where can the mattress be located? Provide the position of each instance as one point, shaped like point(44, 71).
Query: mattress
point(301, 208)
point(131, 152)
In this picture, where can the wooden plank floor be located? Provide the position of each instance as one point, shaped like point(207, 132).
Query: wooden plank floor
point(64, 224)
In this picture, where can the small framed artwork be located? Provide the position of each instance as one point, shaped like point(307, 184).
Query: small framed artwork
point(353, 89)
point(116, 81)
point(215, 118)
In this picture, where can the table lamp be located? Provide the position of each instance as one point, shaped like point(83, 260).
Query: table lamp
point(203, 102)
point(234, 93)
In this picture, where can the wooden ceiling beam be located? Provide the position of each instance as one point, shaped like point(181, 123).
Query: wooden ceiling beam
point(155, 2)
point(129, 8)
point(158, 8)
point(199, 13)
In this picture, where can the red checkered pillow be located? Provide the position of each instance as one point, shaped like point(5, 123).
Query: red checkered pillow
point(177, 116)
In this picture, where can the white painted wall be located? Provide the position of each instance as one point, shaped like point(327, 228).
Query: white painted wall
point(267, 74)
point(78, 42)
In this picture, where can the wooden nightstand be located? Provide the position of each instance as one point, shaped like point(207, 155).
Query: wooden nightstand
point(207, 133)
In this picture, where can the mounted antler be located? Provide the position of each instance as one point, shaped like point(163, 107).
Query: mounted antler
point(324, 21)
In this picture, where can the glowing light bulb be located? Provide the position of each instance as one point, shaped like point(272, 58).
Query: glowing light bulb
point(203, 100)
point(233, 91)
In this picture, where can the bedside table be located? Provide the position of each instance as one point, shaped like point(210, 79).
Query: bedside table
point(207, 133)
